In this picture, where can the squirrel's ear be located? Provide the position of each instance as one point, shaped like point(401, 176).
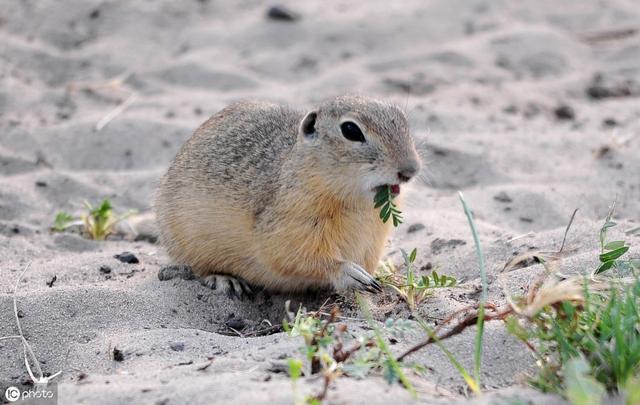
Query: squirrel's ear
point(308, 125)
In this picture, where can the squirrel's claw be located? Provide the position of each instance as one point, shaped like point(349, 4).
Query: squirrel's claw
point(354, 276)
point(234, 288)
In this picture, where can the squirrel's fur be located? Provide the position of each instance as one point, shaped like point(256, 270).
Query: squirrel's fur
point(281, 199)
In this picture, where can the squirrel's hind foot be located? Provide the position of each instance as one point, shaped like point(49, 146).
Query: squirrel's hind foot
point(234, 288)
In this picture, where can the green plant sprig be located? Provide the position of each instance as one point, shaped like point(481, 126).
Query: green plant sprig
point(62, 221)
point(384, 200)
point(610, 252)
point(331, 351)
point(410, 287)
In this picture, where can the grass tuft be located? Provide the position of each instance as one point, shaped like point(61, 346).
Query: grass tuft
point(331, 351)
point(98, 222)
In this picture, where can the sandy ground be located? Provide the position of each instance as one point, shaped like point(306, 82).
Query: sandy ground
point(482, 82)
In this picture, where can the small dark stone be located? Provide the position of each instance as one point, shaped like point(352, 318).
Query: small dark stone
point(502, 197)
point(602, 87)
point(105, 269)
point(177, 346)
point(282, 13)
point(20, 314)
point(609, 122)
point(175, 271)
point(427, 267)
point(41, 183)
point(235, 323)
point(118, 355)
point(564, 112)
point(278, 368)
point(415, 228)
point(127, 257)
point(94, 14)
point(526, 219)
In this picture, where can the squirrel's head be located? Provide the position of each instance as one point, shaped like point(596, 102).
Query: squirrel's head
point(361, 143)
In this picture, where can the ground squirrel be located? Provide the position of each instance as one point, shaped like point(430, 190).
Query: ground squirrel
point(268, 195)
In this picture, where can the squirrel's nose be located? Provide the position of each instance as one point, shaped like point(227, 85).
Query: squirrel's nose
point(407, 172)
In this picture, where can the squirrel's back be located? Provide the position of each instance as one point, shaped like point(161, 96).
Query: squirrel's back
point(241, 148)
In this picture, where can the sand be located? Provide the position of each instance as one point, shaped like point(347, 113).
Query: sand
point(528, 107)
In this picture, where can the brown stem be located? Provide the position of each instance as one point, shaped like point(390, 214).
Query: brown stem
point(469, 320)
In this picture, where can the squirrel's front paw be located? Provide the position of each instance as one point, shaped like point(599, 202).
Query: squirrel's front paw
point(352, 276)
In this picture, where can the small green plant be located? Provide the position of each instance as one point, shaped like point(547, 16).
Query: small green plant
point(62, 221)
point(384, 200)
point(412, 288)
point(295, 371)
point(98, 222)
point(330, 350)
point(610, 252)
point(391, 367)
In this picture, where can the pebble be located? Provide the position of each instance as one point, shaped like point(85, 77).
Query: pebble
point(127, 257)
point(415, 228)
point(564, 112)
point(502, 197)
point(282, 13)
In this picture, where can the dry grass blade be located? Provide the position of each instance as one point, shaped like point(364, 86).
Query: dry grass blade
point(104, 121)
point(553, 292)
point(25, 344)
point(29, 355)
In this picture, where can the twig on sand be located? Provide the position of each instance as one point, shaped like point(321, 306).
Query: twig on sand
point(26, 347)
point(470, 319)
point(11, 337)
point(524, 235)
point(609, 35)
point(115, 112)
point(237, 332)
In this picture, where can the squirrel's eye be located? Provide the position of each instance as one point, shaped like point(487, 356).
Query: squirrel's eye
point(352, 132)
